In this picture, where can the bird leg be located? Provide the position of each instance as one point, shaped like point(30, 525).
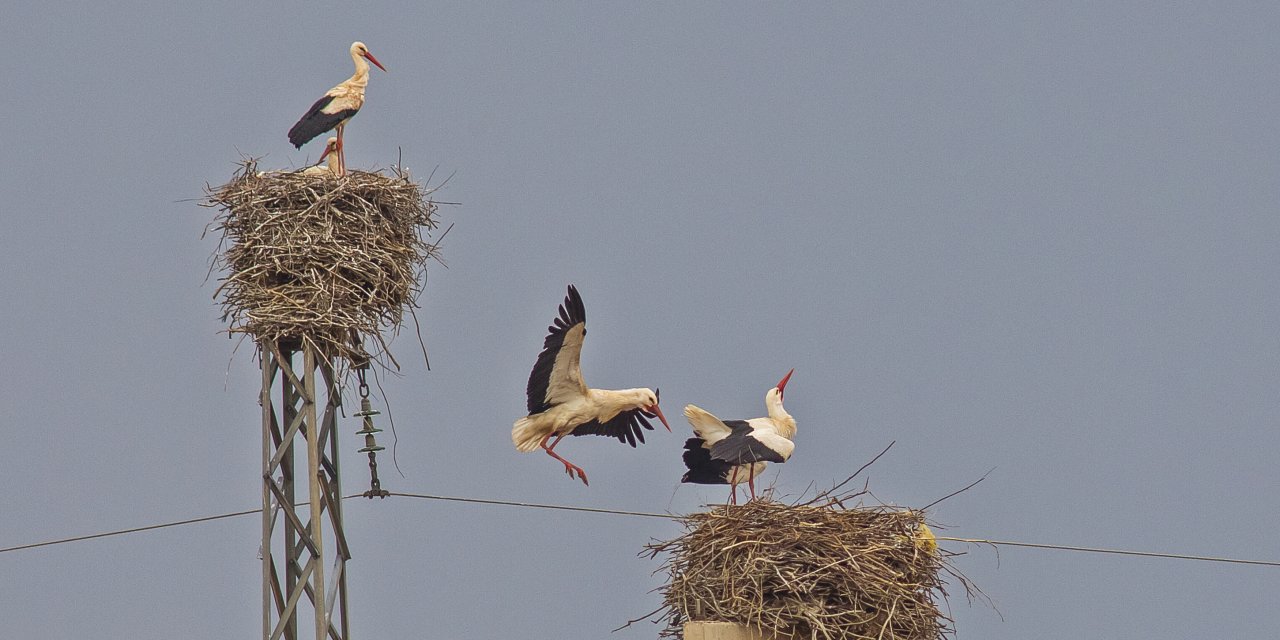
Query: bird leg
point(733, 486)
point(569, 467)
point(751, 484)
point(342, 155)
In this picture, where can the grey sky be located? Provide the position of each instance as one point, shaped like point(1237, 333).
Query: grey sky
point(1040, 239)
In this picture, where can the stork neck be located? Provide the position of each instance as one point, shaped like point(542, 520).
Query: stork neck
point(361, 77)
point(615, 401)
point(786, 425)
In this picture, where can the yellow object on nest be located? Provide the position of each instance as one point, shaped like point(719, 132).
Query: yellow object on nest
point(925, 540)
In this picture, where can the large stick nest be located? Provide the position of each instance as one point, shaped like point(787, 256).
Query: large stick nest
point(321, 260)
point(807, 571)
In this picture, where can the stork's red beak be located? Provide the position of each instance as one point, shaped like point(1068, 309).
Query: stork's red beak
point(782, 384)
point(327, 150)
point(374, 61)
point(654, 409)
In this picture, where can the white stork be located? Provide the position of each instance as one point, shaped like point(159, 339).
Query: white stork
point(329, 168)
point(320, 168)
point(337, 106)
point(735, 451)
point(561, 404)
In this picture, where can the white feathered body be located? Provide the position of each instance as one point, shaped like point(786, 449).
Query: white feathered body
point(773, 433)
point(600, 405)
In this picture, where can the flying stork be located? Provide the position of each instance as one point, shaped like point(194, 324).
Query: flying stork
point(337, 106)
point(735, 451)
point(560, 403)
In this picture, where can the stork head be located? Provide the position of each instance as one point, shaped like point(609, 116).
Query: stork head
point(782, 420)
point(358, 49)
point(649, 406)
point(782, 384)
point(330, 146)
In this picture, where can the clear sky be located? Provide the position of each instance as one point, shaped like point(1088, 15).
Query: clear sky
point(1039, 239)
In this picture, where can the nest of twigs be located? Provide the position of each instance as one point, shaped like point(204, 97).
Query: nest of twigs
point(319, 260)
point(807, 571)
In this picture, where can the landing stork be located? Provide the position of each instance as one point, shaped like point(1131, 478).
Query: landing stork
point(735, 451)
point(337, 106)
point(560, 403)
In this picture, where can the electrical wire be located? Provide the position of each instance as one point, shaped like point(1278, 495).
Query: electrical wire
point(536, 505)
point(558, 507)
point(108, 534)
point(1008, 543)
point(1123, 552)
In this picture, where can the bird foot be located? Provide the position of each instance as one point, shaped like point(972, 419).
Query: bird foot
point(572, 469)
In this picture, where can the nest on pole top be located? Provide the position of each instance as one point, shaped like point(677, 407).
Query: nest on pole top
point(820, 571)
point(321, 260)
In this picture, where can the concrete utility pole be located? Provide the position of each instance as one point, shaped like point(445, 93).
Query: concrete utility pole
point(294, 547)
point(696, 630)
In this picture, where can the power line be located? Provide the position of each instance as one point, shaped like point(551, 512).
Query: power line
point(559, 507)
point(1123, 552)
point(536, 505)
point(1034, 545)
point(107, 534)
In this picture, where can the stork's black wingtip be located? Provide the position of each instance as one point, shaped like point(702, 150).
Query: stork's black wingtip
point(573, 302)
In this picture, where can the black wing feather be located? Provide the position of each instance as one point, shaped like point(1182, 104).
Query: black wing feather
point(703, 469)
point(572, 312)
point(316, 122)
point(626, 427)
point(740, 448)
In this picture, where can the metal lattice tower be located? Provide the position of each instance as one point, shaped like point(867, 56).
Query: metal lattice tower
point(295, 547)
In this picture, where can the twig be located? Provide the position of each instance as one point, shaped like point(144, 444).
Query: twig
point(395, 437)
point(641, 618)
point(823, 494)
point(956, 493)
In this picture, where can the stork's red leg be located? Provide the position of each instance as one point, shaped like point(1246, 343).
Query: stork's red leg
point(751, 483)
point(342, 153)
point(569, 467)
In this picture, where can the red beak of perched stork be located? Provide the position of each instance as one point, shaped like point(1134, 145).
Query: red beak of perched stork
point(369, 56)
point(782, 384)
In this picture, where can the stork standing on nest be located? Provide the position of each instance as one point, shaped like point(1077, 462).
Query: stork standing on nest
point(560, 403)
point(337, 106)
point(735, 451)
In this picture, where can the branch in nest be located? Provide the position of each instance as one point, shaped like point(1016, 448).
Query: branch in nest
point(332, 262)
point(820, 571)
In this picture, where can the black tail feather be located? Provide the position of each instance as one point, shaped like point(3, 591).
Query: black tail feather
point(703, 469)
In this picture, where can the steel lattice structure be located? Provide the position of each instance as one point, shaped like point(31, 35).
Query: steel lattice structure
point(295, 547)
